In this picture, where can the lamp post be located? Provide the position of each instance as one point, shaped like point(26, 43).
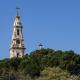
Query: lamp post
point(40, 46)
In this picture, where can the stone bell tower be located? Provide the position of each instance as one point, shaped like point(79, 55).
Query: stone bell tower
point(17, 48)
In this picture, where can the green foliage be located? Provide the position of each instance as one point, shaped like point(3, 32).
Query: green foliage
point(14, 63)
point(55, 73)
point(44, 64)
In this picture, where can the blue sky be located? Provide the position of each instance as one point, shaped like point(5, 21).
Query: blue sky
point(55, 23)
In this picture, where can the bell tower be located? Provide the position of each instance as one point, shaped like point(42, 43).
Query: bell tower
point(17, 48)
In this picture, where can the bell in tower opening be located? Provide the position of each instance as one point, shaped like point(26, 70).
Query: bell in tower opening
point(17, 48)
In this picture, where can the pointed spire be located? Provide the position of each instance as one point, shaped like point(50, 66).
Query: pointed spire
point(17, 21)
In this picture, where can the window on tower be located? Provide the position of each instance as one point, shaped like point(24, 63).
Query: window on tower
point(17, 31)
point(18, 42)
point(17, 55)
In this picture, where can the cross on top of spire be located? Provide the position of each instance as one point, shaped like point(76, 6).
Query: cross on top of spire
point(17, 9)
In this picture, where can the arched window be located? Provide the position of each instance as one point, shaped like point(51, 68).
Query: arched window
point(17, 31)
point(17, 55)
point(18, 42)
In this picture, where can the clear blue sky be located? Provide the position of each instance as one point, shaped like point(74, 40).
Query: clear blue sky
point(55, 23)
